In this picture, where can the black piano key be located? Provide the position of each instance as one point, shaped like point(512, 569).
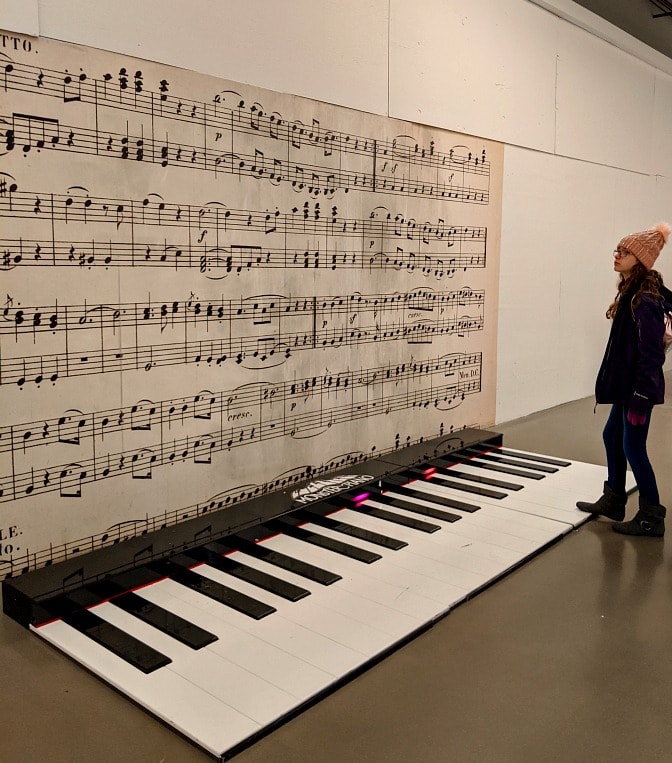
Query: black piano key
point(472, 489)
point(182, 630)
point(493, 467)
point(102, 590)
point(118, 642)
point(416, 508)
point(535, 457)
point(82, 598)
point(106, 588)
point(308, 515)
point(134, 578)
point(390, 516)
point(73, 601)
point(459, 475)
point(421, 474)
point(451, 503)
point(520, 462)
point(212, 556)
point(278, 559)
point(177, 569)
point(322, 541)
point(494, 456)
point(387, 516)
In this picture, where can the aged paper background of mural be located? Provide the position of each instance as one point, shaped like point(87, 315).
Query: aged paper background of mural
point(210, 289)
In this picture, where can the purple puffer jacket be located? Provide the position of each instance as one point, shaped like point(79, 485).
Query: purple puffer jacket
point(632, 368)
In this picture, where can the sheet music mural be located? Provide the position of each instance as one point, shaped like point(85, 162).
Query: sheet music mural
point(210, 290)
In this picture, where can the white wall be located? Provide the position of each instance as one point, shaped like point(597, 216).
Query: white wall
point(588, 159)
point(584, 110)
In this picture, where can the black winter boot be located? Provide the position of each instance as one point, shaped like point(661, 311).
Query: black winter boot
point(611, 504)
point(649, 520)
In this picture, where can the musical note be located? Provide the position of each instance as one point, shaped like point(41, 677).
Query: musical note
point(72, 89)
point(34, 132)
point(69, 427)
point(70, 480)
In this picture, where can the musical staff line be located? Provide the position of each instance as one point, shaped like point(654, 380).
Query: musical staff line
point(217, 240)
point(75, 426)
point(227, 108)
point(253, 332)
point(399, 166)
point(221, 261)
point(296, 409)
point(259, 309)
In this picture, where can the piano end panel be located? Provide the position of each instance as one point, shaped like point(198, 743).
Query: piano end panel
point(16, 604)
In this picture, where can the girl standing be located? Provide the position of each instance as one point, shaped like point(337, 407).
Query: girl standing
point(631, 380)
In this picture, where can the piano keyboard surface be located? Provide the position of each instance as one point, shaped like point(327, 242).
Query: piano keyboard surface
point(224, 641)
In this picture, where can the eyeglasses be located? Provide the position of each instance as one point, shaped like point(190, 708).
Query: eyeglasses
point(621, 252)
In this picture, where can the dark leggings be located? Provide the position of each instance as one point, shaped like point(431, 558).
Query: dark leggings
point(626, 444)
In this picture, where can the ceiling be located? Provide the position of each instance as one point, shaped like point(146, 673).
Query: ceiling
point(636, 17)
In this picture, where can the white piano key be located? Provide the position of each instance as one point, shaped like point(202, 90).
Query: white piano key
point(551, 489)
point(452, 555)
point(322, 652)
point(589, 472)
point(499, 517)
point(576, 476)
point(361, 637)
point(417, 580)
point(494, 537)
point(519, 505)
point(495, 530)
point(468, 532)
point(394, 622)
point(215, 674)
point(461, 535)
point(199, 715)
point(375, 583)
point(556, 495)
point(257, 655)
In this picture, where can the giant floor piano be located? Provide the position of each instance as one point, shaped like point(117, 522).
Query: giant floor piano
point(227, 625)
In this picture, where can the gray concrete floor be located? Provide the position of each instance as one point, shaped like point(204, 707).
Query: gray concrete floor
point(568, 658)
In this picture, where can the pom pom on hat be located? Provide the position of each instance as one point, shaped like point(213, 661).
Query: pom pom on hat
point(646, 245)
point(664, 229)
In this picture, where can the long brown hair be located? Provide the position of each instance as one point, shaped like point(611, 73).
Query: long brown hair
point(637, 282)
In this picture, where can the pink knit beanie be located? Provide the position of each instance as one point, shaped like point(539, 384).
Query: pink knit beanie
point(646, 245)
